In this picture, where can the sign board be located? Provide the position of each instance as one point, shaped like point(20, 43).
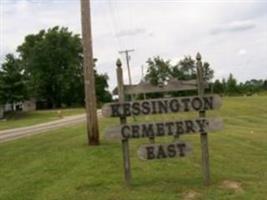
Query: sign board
point(162, 106)
point(174, 128)
point(161, 151)
point(167, 128)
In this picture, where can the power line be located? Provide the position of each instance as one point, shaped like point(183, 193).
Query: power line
point(111, 25)
point(114, 23)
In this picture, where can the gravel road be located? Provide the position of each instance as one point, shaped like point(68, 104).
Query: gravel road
point(16, 133)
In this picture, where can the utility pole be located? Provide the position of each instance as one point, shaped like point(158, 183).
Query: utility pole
point(128, 62)
point(142, 72)
point(129, 71)
point(143, 79)
point(89, 77)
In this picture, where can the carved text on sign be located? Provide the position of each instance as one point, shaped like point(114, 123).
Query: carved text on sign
point(167, 128)
point(161, 151)
point(161, 106)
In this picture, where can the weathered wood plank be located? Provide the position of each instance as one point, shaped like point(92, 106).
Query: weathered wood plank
point(171, 86)
point(161, 106)
point(167, 128)
point(161, 151)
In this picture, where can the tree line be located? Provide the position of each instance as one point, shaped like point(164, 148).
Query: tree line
point(160, 70)
point(231, 87)
point(48, 66)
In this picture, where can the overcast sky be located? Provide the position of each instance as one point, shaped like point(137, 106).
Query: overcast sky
point(232, 37)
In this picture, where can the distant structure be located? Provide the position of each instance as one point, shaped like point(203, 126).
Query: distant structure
point(26, 106)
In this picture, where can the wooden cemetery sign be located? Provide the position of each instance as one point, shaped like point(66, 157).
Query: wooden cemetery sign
point(175, 128)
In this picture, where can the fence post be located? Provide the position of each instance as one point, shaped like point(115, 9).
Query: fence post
point(203, 135)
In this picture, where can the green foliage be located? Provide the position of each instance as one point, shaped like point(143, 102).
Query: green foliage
point(102, 93)
point(208, 73)
point(231, 86)
point(185, 69)
point(218, 87)
point(160, 70)
point(12, 81)
point(51, 61)
point(252, 86)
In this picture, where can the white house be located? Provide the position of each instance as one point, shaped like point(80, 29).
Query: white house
point(28, 105)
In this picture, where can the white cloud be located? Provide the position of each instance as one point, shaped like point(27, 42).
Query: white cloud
point(235, 26)
point(170, 29)
point(242, 52)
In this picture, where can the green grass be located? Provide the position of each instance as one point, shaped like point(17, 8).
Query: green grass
point(21, 119)
point(60, 165)
point(263, 93)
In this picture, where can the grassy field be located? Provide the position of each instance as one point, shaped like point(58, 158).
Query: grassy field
point(21, 119)
point(59, 165)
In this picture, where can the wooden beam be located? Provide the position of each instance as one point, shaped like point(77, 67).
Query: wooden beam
point(172, 85)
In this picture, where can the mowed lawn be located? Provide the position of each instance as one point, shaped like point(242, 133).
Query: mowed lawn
point(22, 119)
point(60, 165)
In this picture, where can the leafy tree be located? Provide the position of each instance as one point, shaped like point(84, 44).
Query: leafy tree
point(218, 87)
point(185, 69)
point(159, 70)
point(231, 85)
point(12, 87)
point(224, 85)
point(265, 85)
point(2, 98)
point(252, 86)
point(208, 73)
point(52, 61)
point(102, 93)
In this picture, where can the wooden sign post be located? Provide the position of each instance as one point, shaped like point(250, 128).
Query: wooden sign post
point(123, 120)
point(203, 133)
point(176, 128)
